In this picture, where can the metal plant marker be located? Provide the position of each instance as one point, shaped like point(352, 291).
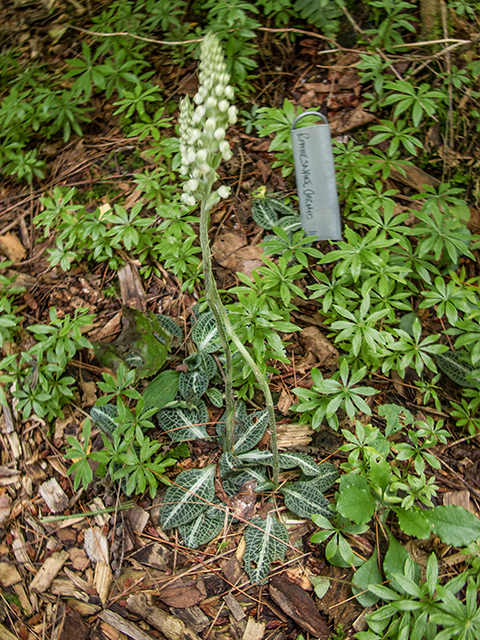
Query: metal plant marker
point(315, 176)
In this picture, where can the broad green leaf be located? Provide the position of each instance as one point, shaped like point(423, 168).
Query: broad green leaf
point(305, 499)
point(264, 214)
point(250, 432)
point(200, 531)
point(406, 322)
point(205, 334)
point(265, 541)
point(394, 562)
point(162, 389)
point(355, 500)
point(181, 424)
point(104, 417)
point(191, 494)
point(454, 525)
point(413, 523)
point(368, 574)
point(321, 584)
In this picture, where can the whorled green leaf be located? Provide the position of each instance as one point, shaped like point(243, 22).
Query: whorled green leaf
point(104, 417)
point(251, 431)
point(264, 214)
point(305, 499)
point(191, 495)
point(394, 562)
point(182, 424)
point(169, 325)
point(215, 396)
point(200, 531)
point(265, 541)
point(192, 384)
point(162, 389)
point(454, 525)
point(205, 334)
point(457, 370)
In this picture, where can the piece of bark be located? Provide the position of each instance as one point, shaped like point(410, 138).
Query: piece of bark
point(138, 518)
point(55, 497)
point(103, 581)
point(193, 617)
point(19, 548)
point(74, 627)
point(96, 545)
point(170, 626)
point(48, 571)
point(80, 583)
point(24, 599)
point(182, 594)
point(254, 630)
point(458, 499)
point(155, 555)
point(124, 626)
point(9, 574)
point(63, 587)
point(298, 605)
point(236, 610)
point(290, 436)
point(414, 177)
point(84, 608)
point(78, 558)
point(131, 288)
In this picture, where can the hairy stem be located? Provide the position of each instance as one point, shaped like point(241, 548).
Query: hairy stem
point(225, 329)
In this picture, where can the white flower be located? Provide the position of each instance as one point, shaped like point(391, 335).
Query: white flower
point(232, 115)
point(229, 92)
point(202, 155)
point(219, 133)
point(224, 146)
point(190, 156)
point(211, 102)
point(190, 186)
point(226, 155)
point(223, 105)
point(223, 191)
point(198, 99)
point(219, 90)
point(194, 135)
point(188, 200)
point(210, 124)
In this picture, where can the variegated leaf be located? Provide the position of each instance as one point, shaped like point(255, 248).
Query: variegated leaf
point(200, 531)
point(265, 541)
point(205, 334)
point(252, 432)
point(190, 496)
point(104, 417)
point(305, 499)
point(255, 456)
point(264, 214)
point(192, 385)
point(182, 424)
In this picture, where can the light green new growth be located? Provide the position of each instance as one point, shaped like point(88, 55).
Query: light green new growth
point(203, 145)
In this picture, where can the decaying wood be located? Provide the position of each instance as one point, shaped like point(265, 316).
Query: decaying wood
point(103, 581)
point(55, 497)
point(5, 634)
point(193, 618)
point(254, 630)
point(48, 571)
point(298, 605)
point(128, 628)
point(131, 288)
point(171, 627)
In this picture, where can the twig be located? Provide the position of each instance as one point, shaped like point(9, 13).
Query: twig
point(449, 131)
point(131, 35)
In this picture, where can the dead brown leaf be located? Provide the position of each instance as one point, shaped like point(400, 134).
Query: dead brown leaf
point(11, 246)
point(313, 341)
point(346, 121)
point(182, 593)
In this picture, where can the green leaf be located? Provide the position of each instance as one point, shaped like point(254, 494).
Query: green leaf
point(205, 334)
point(355, 500)
point(457, 370)
point(215, 396)
point(264, 214)
point(182, 424)
point(162, 389)
point(249, 432)
point(307, 464)
point(169, 325)
point(321, 584)
point(191, 494)
point(265, 541)
point(368, 574)
point(305, 499)
point(413, 523)
point(200, 531)
point(394, 562)
point(192, 384)
point(104, 417)
point(454, 525)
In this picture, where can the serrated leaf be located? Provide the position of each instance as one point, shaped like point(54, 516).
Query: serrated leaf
point(192, 384)
point(413, 523)
point(191, 494)
point(162, 389)
point(181, 424)
point(264, 214)
point(205, 334)
point(355, 499)
point(454, 525)
point(305, 499)
point(457, 370)
point(104, 417)
point(366, 575)
point(200, 531)
point(169, 325)
point(265, 542)
point(250, 432)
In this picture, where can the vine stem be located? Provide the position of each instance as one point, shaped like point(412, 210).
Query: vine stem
point(225, 328)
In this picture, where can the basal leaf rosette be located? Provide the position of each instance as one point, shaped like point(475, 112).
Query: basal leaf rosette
point(203, 125)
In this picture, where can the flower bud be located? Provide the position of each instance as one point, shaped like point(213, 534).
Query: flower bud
point(223, 191)
point(229, 92)
point(223, 105)
point(226, 155)
point(219, 133)
point(219, 90)
point(232, 115)
point(224, 146)
point(210, 124)
point(202, 155)
point(190, 186)
point(198, 99)
point(211, 102)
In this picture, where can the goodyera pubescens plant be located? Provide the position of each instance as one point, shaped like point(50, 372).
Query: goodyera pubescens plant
point(203, 146)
